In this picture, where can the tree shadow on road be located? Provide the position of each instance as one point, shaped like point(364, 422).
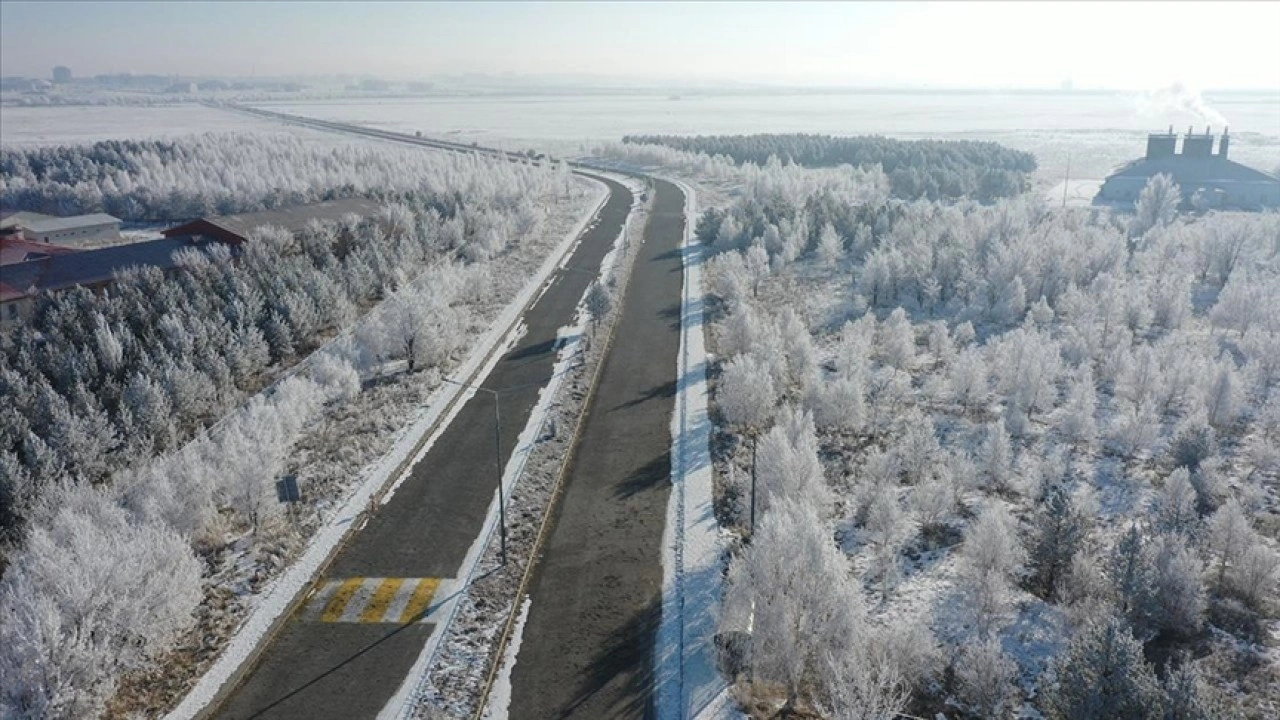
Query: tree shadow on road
point(664, 390)
point(649, 476)
point(623, 668)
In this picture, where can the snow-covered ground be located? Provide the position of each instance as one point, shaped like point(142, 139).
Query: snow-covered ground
point(688, 683)
point(1098, 131)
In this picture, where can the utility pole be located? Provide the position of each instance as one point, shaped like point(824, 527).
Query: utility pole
point(755, 440)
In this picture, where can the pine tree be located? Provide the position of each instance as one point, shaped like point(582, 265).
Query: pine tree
point(1189, 697)
point(1059, 533)
point(1103, 676)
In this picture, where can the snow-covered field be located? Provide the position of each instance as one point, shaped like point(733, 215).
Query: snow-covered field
point(1098, 130)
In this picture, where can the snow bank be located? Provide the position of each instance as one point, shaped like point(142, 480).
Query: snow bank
point(500, 696)
point(689, 685)
point(279, 595)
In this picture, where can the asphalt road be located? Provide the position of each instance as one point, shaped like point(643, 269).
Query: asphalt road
point(348, 650)
point(588, 643)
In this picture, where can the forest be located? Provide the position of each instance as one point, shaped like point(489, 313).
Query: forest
point(227, 173)
point(146, 424)
point(1006, 459)
point(917, 169)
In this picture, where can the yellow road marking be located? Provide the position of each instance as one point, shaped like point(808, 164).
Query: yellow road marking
point(338, 603)
point(381, 600)
point(421, 598)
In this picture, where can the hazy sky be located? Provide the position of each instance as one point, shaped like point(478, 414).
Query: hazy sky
point(1021, 44)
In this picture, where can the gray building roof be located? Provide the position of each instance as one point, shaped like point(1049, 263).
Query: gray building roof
point(293, 218)
point(92, 267)
point(12, 218)
point(58, 224)
point(1190, 170)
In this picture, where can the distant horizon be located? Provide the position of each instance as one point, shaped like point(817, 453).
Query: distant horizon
point(1123, 46)
point(608, 82)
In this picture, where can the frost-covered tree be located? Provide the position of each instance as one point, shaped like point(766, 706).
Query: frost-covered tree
point(837, 404)
point(1176, 505)
point(967, 380)
point(1222, 401)
point(1194, 441)
point(934, 501)
point(788, 464)
point(993, 558)
point(757, 266)
point(1077, 422)
point(830, 245)
point(897, 341)
point(985, 678)
point(1228, 534)
point(1175, 596)
point(1102, 676)
point(995, 458)
point(1255, 575)
point(797, 346)
point(1157, 204)
point(599, 302)
point(808, 631)
point(745, 395)
point(888, 528)
point(1129, 571)
point(93, 592)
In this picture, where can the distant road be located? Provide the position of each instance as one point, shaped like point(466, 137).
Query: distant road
point(596, 597)
point(381, 134)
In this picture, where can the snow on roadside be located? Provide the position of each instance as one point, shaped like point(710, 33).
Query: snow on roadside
point(500, 696)
point(689, 685)
point(277, 596)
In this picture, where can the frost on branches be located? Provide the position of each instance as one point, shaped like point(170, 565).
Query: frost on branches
point(1039, 445)
point(147, 424)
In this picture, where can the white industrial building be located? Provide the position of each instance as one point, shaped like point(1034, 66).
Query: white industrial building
point(75, 230)
point(1207, 179)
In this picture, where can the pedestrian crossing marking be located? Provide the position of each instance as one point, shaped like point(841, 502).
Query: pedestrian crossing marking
point(333, 610)
point(370, 600)
point(421, 598)
point(381, 600)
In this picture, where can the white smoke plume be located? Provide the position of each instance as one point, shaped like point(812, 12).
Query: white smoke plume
point(1180, 99)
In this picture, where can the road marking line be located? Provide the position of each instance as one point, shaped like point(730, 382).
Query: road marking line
point(317, 602)
point(333, 610)
point(401, 600)
point(356, 606)
point(382, 597)
point(421, 599)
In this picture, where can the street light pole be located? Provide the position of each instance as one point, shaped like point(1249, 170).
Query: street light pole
point(497, 449)
point(497, 460)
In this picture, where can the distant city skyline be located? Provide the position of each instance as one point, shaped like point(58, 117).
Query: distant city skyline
point(1124, 46)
